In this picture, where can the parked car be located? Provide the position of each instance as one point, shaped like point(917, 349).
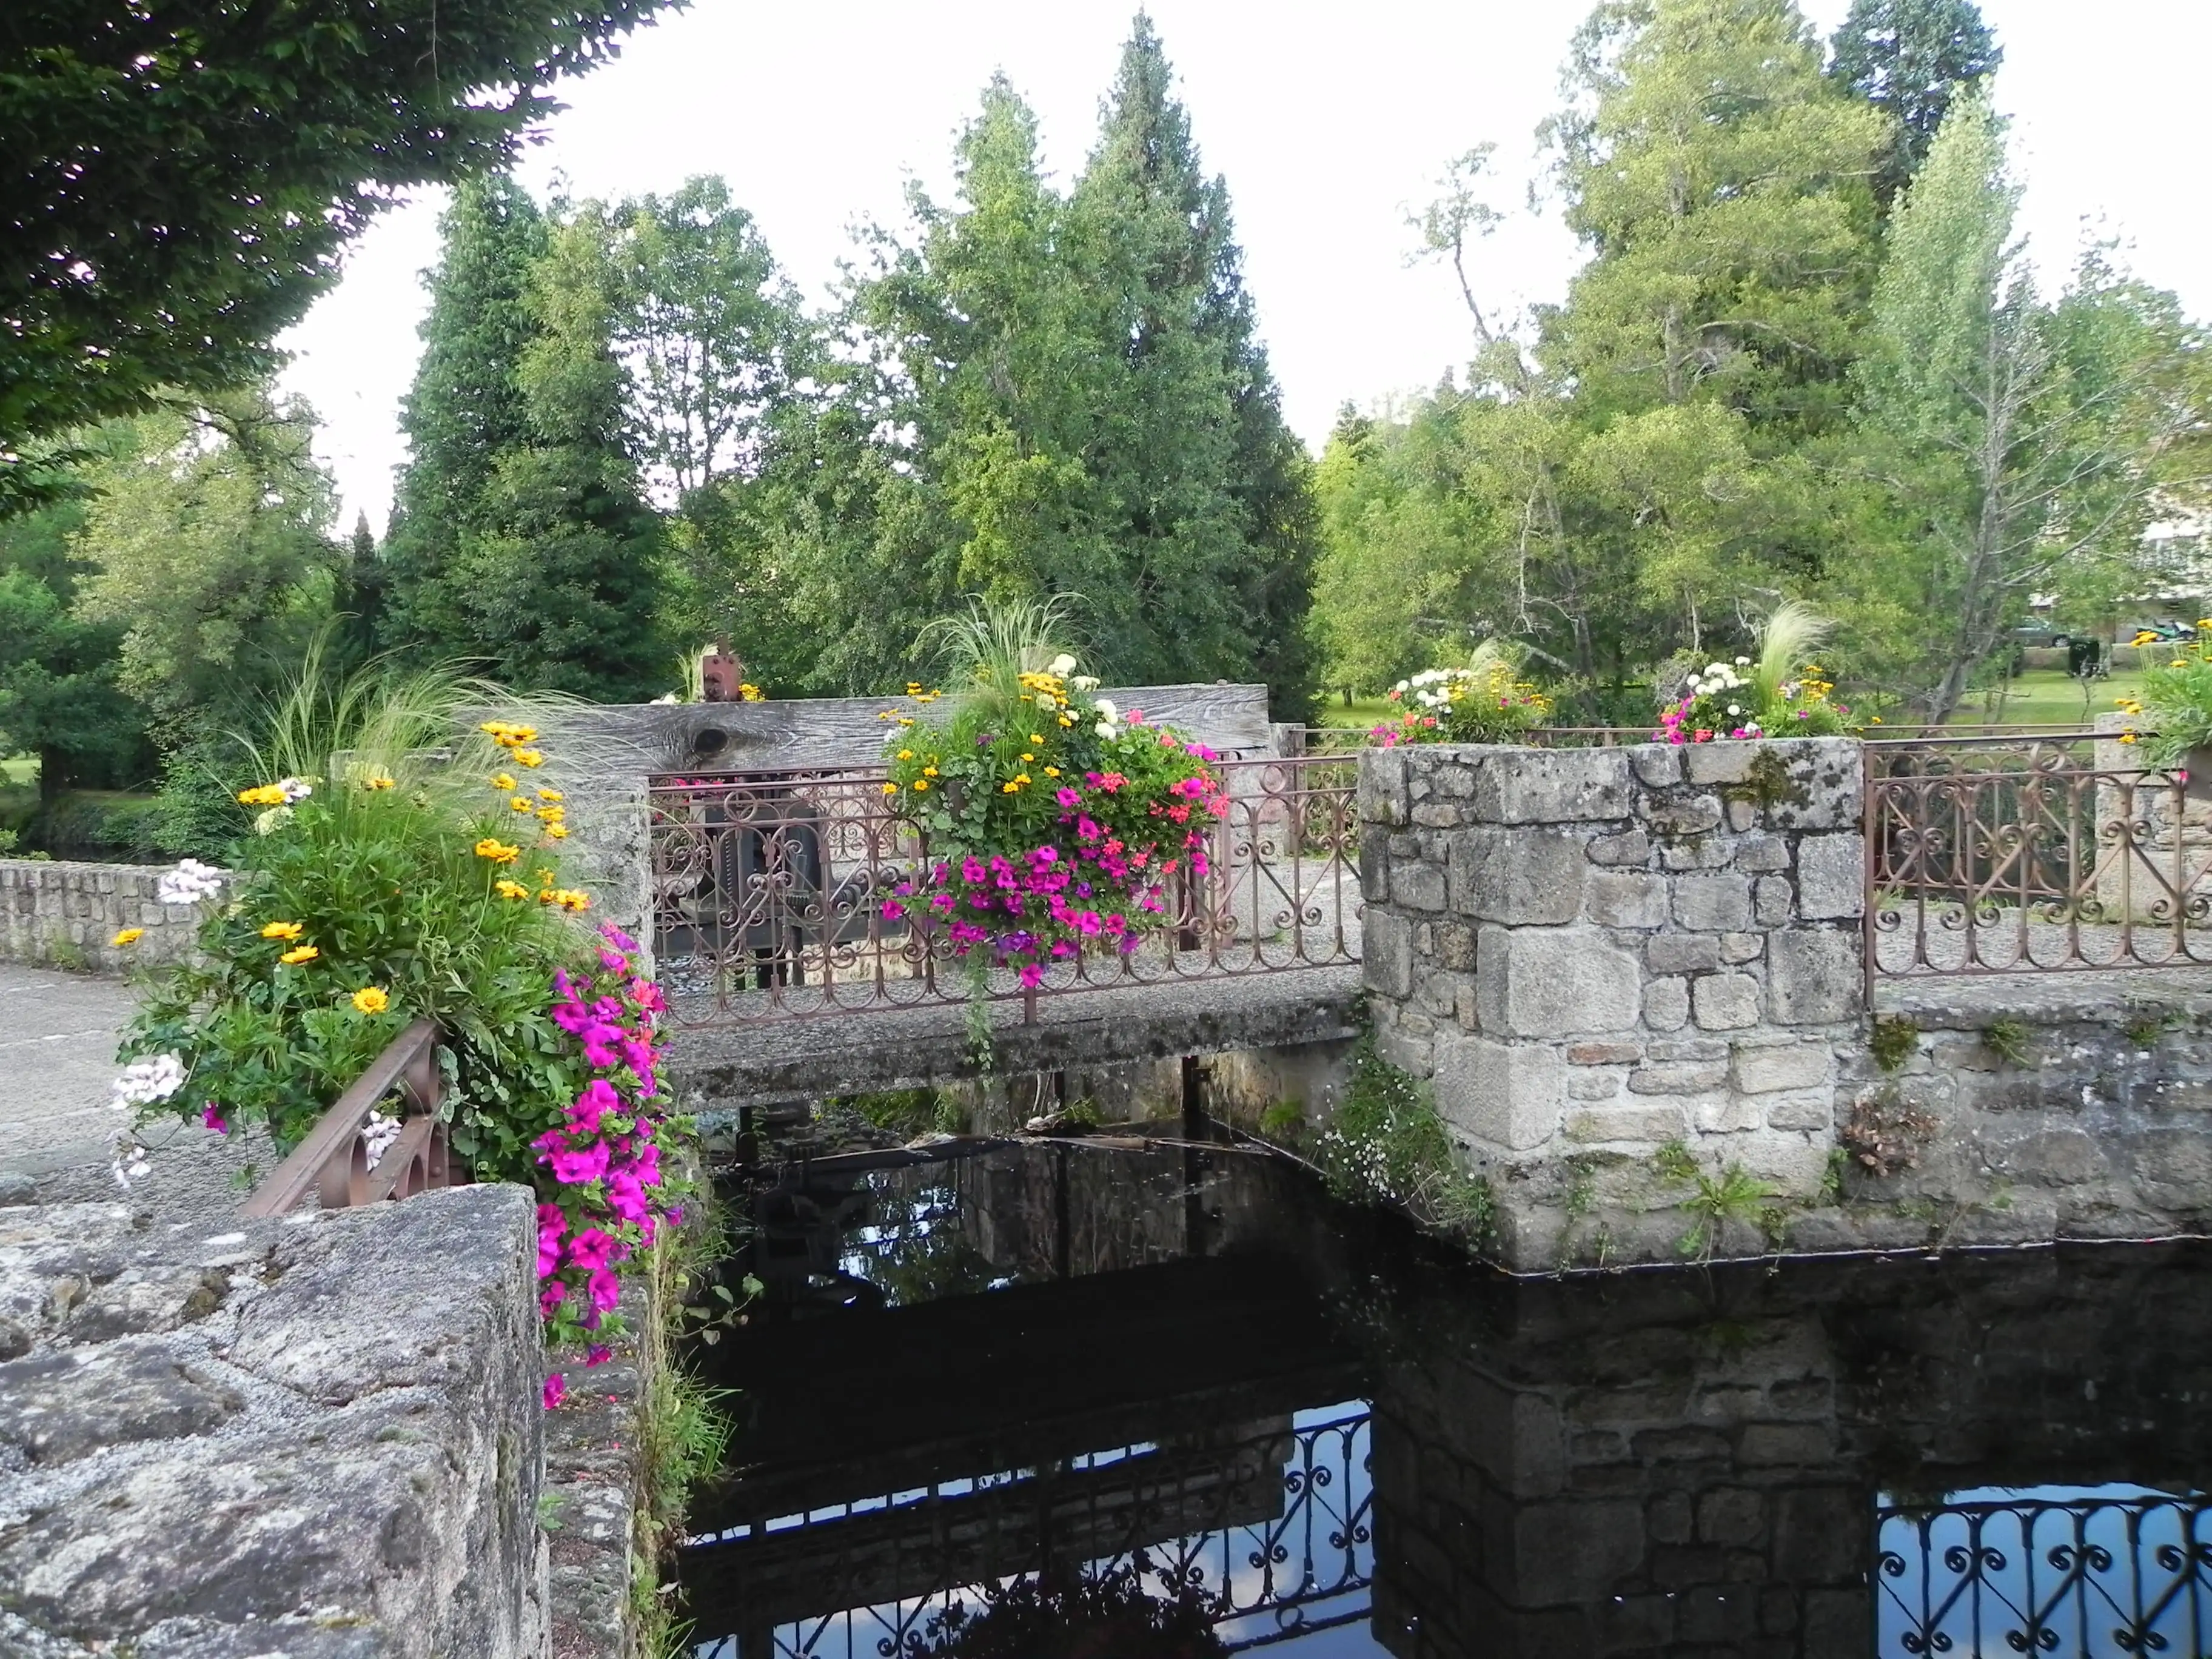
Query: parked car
point(2041, 634)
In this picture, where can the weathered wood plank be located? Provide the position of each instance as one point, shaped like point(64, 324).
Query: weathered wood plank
point(840, 731)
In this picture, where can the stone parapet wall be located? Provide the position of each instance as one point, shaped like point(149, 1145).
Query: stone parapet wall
point(1595, 952)
point(320, 1436)
point(62, 914)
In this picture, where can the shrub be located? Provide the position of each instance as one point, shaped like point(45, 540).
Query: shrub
point(1780, 695)
point(388, 880)
point(1386, 1144)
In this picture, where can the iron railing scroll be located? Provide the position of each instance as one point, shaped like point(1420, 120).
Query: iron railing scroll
point(333, 1162)
point(2074, 1574)
point(2031, 854)
point(776, 895)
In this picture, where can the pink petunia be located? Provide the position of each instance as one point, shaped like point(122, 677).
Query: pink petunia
point(556, 1390)
point(212, 1119)
point(605, 1291)
point(590, 1249)
point(577, 1169)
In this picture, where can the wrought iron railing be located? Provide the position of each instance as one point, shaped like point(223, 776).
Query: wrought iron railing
point(2010, 855)
point(1267, 1537)
point(2072, 1575)
point(339, 1160)
point(770, 891)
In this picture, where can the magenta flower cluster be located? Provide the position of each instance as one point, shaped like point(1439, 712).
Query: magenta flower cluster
point(1094, 888)
point(607, 1191)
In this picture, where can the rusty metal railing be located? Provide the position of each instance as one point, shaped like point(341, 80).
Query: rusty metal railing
point(334, 1162)
point(2003, 854)
point(769, 890)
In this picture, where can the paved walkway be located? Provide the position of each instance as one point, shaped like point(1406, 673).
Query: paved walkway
point(58, 1037)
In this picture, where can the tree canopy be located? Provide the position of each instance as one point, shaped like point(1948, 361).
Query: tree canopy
point(182, 174)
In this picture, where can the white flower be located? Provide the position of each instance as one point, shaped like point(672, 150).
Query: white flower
point(1105, 710)
point(1107, 729)
point(1061, 667)
point(127, 1159)
point(275, 817)
point(1735, 708)
point(144, 1082)
point(189, 883)
point(1743, 662)
point(1085, 681)
point(378, 1134)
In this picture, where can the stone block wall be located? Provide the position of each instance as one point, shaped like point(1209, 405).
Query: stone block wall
point(1595, 952)
point(64, 914)
point(317, 1437)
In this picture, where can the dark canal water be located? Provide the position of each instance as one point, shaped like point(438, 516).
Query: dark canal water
point(1046, 1402)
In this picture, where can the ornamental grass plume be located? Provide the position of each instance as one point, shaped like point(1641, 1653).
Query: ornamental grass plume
point(985, 650)
point(1792, 632)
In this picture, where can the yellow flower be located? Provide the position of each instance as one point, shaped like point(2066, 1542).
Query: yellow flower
point(914, 688)
point(904, 721)
point(498, 852)
point(550, 795)
point(529, 758)
point(567, 898)
point(2127, 736)
point(1052, 771)
point(748, 692)
point(267, 794)
point(510, 890)
point(558, 832)
point(906, 754)
point(298, 954)
point(284, 930)
point(1027, 756)
point(1876, 719)
point(1021, 777)
point(1009, 788)
point(370, 1001)
point(929, 771)
point(920, 785)
point(377, 781)
point(502, 780)
point(1036, 737)
point(1068, 719)
point(521, 803)
point(891, 789)
point(129, 936)
point(2179, 662)
point(2204, 622)
point(552, 814)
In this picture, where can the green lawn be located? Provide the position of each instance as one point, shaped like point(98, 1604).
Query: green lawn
point(2045, 696)
point(21, 771)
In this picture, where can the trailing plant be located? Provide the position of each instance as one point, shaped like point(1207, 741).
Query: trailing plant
point(1386, 1144)
point(396, 872)
point(1486, 702)
point(1895, 1040)
point(1058, 823)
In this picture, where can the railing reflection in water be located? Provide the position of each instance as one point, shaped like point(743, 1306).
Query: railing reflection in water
point(770, 888)
point(2001, 855)
point(2081, 1574)
point(1269, 1537)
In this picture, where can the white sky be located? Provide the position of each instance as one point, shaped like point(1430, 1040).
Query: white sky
point(1330, 122)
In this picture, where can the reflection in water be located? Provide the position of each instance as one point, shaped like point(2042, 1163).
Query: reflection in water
point(1006, 1395)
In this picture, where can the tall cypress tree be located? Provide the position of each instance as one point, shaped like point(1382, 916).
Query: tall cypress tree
point(560, 578)
point(466, 408)
point(1207, 482)
point(1911, 59)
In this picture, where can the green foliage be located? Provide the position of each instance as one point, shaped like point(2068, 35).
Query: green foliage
point(1083, 410)
point(1912, 59)
point(1895, 1040)
point(259, 141)
point(2008, 1040)
point(381, 884)
point(58, 696)
point(1284, 1120)
point(1732, 1193)
point(1386, 1144)
point(903, 1111)
point(521, 540)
